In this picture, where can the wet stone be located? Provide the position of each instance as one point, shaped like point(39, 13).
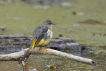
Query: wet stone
point(17, 42)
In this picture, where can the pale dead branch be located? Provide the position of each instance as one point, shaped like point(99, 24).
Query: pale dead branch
point(17, 55)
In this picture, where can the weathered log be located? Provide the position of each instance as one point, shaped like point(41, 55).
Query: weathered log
point(18, 55)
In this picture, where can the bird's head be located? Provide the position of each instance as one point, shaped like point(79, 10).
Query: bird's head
point(48, 23)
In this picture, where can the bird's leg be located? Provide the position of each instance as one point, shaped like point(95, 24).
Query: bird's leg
point(41, 48)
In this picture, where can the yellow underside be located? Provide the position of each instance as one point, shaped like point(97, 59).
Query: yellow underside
point(34, 41)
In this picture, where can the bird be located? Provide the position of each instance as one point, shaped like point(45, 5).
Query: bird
point(41, 36)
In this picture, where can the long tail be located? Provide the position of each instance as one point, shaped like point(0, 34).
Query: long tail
point(33, 44)
point(31, 47)
point(23, 57)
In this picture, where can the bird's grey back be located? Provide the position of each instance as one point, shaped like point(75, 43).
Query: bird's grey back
point(42, 29)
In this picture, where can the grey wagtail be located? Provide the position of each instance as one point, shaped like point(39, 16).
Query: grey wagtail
point(40, 37)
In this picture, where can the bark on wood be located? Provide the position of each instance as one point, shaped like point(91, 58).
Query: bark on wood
point(17, 55)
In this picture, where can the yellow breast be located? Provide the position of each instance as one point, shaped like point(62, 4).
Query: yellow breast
point(41, 42)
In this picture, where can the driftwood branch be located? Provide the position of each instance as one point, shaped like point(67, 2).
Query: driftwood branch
point(17, 55)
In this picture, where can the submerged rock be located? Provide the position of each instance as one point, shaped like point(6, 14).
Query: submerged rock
point(16, 42)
